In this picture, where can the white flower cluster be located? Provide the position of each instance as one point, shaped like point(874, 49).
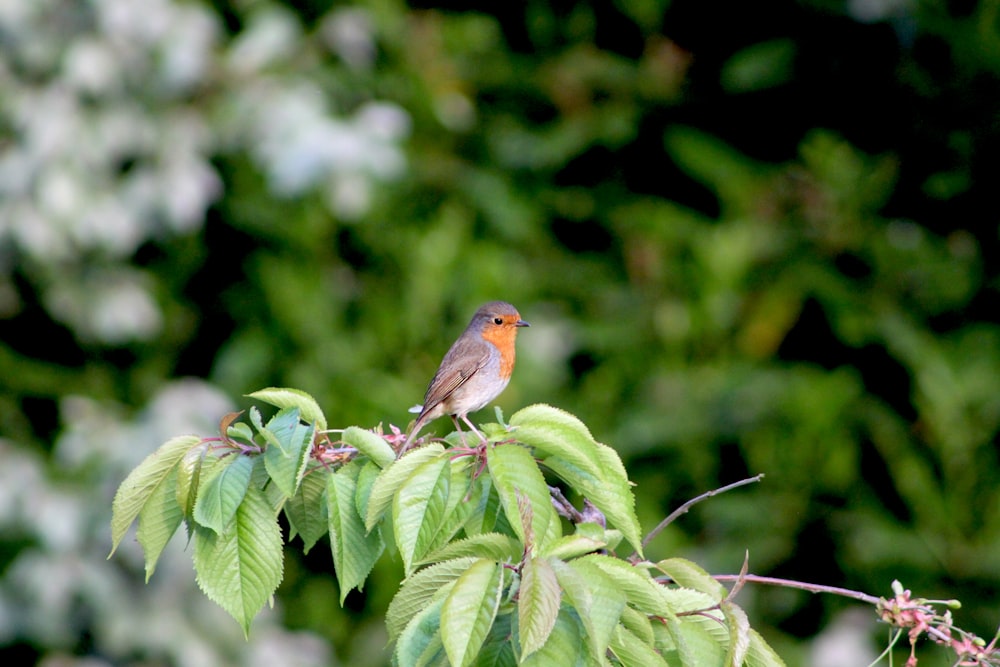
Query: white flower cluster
point(285, 121)
point(111, 113)
point(105, 148)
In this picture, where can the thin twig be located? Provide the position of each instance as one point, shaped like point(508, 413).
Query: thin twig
point(801, 585)
point(683, 509)
point(563, 506)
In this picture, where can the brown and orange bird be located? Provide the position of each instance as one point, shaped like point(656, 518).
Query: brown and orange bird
point(475, 370)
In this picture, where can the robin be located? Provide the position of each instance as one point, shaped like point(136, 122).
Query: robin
point(474, 371)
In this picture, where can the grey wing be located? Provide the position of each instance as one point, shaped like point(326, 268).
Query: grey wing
point(451, 376)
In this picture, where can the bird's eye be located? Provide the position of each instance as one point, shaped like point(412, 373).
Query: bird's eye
point(497, 320)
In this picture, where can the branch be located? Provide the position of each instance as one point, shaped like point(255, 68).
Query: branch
point(683, 509)
point(801, 585)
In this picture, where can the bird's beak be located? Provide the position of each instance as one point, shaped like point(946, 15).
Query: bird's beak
point(521, 323)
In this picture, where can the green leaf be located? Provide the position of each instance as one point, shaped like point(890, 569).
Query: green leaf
point(638, 624)
point(221, 495)
point(573, 546)
point(605, 483)
point(462, 501)
point(293, 398)
point(566, 447)
point(690, 575)
point(633, 650)
point(192, 466)
point(420, 589)
point(609, 492)
point(468, 611)
point(739, 633)
point(514, 474)
point(597, 599)
point(158, 521)
point(485, 506)
point(577, 596)
point(555, 432)
point(544, 415)
point(418, 509)
point(369, 444)
point(286, 463)
point(495, 546)
point(354, 550)
point(241, 431)
point(686, 599)
point(240, 569)
point(761, 654)
point(565, 646)
point(307, 509)
point(595, 470)
point(616, 477)
point(696, 645)
point(366, 480)
point(280, 426)
point(498, 649)
point(695, 638)
point(433, 654)
point(391, 478)
point(421, 639)
point(260, 478)
point(135, 491)
point(538, 604)
point(639, 587)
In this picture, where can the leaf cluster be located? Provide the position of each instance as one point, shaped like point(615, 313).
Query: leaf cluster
point(493, 574)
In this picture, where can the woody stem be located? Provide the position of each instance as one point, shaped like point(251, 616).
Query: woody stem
point(683, 509)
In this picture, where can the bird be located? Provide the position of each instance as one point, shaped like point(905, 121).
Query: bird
point(474, 371)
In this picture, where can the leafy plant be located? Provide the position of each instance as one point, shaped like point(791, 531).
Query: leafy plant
point(493, 572)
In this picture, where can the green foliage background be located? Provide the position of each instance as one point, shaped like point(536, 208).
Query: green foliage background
point(749, 239)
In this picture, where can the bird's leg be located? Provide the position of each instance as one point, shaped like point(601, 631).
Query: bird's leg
point(465, 418)
point(461, 433)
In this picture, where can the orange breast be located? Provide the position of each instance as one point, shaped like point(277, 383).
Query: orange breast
point(503, 338)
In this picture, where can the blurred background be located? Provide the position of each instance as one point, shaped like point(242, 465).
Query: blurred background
point(749, 237)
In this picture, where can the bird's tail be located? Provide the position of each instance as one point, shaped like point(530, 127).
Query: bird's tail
point(413, 433)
